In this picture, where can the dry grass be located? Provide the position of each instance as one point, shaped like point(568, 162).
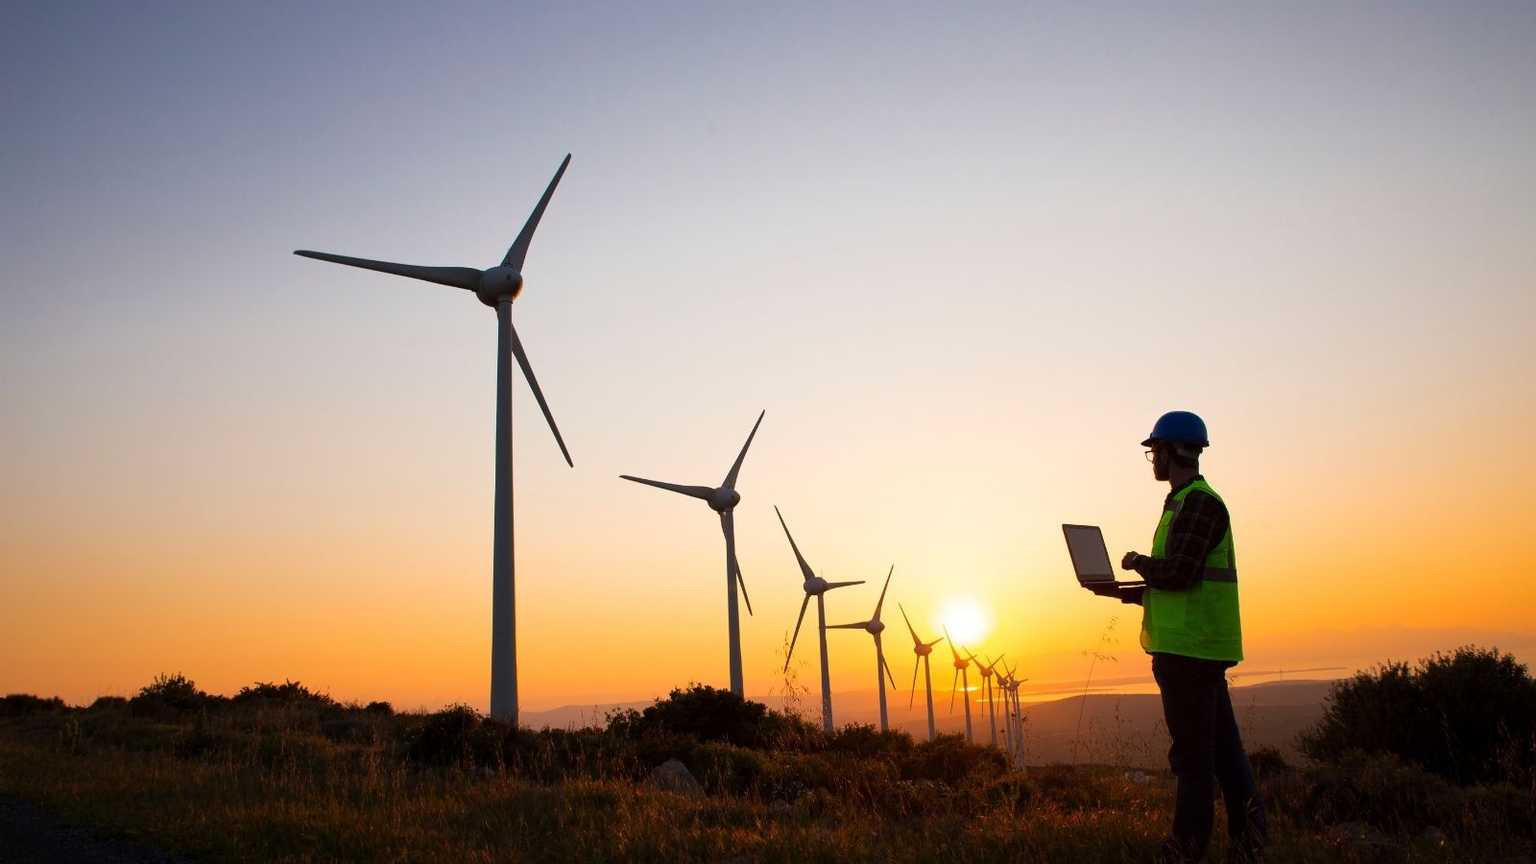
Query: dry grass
point(312, 781)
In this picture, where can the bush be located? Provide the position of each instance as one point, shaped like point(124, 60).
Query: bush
point(950, 760)
point(1469, 716)
point(455, 736)
point(286, 693)
point(169, 696)
point(23, 704)
point(709, 714)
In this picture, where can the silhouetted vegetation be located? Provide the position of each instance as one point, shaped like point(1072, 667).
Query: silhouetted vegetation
point(281, 772)
point(1468, 716)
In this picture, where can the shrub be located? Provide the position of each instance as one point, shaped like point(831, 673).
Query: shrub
point(454, 736)
point(709, 714)
point(949, 759)
point(286, 693)
point(169, 695)
point(1469, 716)
point(23, 704)
point(108, 703)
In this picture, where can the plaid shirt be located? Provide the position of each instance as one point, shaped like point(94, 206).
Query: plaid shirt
point(1196, 530)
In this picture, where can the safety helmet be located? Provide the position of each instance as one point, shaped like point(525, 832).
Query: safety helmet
point(1178, 427)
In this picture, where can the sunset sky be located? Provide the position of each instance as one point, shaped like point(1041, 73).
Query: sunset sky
point(963, 260)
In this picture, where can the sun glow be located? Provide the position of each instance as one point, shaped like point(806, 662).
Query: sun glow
point(964, 619)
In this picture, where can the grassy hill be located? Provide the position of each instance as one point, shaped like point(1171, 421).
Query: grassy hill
point(277, 773)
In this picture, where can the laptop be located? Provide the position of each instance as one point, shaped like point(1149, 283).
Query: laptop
point(1090, 558)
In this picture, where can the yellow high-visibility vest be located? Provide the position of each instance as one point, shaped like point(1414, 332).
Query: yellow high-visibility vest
point(1202, 621)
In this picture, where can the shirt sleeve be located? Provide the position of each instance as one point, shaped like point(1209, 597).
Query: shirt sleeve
point(1196, 529)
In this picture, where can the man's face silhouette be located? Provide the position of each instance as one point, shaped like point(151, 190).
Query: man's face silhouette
point(1162, 454)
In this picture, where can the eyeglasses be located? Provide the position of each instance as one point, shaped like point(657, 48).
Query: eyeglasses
point(1151, 455)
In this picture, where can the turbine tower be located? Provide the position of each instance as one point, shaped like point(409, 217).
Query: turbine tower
point(817, 587)
point(874, 627)
point(965, 679)
point(496, 287)
point(723, 500)
point(922, 650)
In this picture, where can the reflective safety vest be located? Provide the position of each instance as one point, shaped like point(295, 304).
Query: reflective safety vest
point(1201, 621)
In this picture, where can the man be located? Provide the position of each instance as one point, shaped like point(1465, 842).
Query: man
point(1190, 625)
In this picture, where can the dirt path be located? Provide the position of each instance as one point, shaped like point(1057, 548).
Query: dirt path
point(30, 834)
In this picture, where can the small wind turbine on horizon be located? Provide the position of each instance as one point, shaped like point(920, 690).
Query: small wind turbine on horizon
point(817, 587)
point(922, 650)
point(723, 500)
point(496, 287)
point(1015, 713)
point(875, 627)
point(986, 689)
point(962, 677)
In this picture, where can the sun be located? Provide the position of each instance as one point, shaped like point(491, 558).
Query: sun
point(965, 620)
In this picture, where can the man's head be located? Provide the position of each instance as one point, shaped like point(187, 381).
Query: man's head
point(1176, 441)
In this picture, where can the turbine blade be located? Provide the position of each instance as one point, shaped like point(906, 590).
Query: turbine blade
point(805, 569)
point(701, 492)
point(915, 640)
point(831, 585)
point(951, 647)
point(467, 278)
point(533, 383)
point(519, 250)
point(888, 673)
point(881, 604)
point(730, 478)
point(857, 625)
point(935, 642)
point(798, 621)
point(728, 525)
point(913, 698)
point(952, 684)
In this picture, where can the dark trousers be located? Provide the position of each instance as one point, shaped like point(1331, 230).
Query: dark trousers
point(1207, 748)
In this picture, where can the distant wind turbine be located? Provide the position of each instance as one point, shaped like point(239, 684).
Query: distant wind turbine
point(496, 287)
point(964, 678)
point(723, 500)
point(922, 650)
point(817, 587)
point(875, 627)
point(986, 690)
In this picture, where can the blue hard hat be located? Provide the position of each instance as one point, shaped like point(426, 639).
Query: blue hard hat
point(1178, 427)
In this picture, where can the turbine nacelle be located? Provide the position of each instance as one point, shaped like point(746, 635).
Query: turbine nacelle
point(723, 499)
point(498, 283)
point(922, 650)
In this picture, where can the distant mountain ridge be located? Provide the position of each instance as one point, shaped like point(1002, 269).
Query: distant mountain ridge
point(1117, 728)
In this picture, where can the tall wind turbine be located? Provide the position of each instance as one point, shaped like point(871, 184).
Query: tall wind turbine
point(963, 677)
point(496, 287)
point(986, 690)
point(874, 627)
point(817, 587)
point(723, 500)
point(922, 650)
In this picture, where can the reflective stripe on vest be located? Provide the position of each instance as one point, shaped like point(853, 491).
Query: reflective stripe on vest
point(1202, 621)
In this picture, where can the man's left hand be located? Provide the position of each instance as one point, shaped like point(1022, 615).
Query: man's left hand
point(1129, 561)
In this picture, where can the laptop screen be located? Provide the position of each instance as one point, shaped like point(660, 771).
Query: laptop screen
point(1090, 558)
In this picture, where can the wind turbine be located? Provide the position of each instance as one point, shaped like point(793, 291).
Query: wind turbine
point(965, 679)
point(817, 587)
point(496, 287)
point(875, 627)
point(1016, 713)
point(723, 500)
point(986, 688)
point(922, 650)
